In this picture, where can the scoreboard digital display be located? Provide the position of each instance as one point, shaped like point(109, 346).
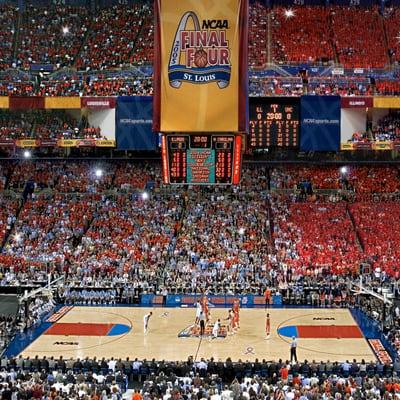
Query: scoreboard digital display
point(274, 122)
point(201, 159)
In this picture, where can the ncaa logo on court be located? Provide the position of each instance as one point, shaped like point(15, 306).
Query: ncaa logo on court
point(202, 55)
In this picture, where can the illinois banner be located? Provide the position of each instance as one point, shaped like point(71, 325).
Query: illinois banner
point(200, 67)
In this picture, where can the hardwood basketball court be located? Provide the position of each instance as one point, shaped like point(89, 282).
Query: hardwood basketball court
point(323, 334)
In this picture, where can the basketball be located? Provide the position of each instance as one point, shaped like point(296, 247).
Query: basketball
point(200, 58)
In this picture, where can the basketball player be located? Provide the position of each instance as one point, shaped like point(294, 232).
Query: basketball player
point(236, 308)
point(204, 307)
point(198, 311)
point(230, 322)
point(215, 329)
point(267, 296)
point(267, 327)
point(146, 321)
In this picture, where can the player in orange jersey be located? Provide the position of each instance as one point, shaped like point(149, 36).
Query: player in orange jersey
point(267, 297)
point(204, 307)
point(267, 327)
point(231, 322)
point(236, 309)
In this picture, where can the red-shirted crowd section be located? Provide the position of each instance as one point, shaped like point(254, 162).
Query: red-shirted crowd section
point(90, 224)
point(122, 35)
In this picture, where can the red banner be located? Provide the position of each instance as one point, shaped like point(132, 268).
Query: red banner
point(26, 103)
point(396, 146)
point(237, 160)
point(363, 146)
point(164, 159)
point(48, 143)
point(86, 142)
point(98, 103)
point(6, 142)
point(356, 102)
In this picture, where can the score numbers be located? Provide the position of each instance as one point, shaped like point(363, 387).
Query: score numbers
point(201, 159)
point(274, 122)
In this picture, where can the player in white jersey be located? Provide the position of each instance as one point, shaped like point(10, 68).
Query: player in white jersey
point(215, 329)
point(198, 312)
point(146, 321)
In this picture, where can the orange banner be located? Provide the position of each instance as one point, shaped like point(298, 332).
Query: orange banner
point(67, 143)
point(26, 143)
point(62, 102)
point(347, 146)
point(105, 143)
point(200, 68)
point(4, 102)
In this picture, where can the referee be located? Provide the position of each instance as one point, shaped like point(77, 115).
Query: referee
point(202, 320)
point(293, 349)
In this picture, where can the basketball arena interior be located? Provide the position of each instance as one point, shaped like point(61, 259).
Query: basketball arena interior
point(200, 199)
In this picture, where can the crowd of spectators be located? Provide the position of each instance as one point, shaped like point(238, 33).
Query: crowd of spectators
point(112, 244)
point(376, 225)
point(14, 124)
point(111, 40)
point(361, 47)
point(387, 128)
point(41, 124)
point(104, 85)
point(321, 86)
point(388, 87)
point(222, 244)
point(144, 45)
point(302, 37)
point(61, 379)
point(361, 181)
point(127, 241)
point(311, 238)
point(120, 36)
point(8, 17)
point(391, 21)
point(202, 379)
point(51, 35)
point(258, 35)
point(47, 228)
point(73, 223)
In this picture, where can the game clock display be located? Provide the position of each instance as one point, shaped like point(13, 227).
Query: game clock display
point(201, 159)
point(273, 122)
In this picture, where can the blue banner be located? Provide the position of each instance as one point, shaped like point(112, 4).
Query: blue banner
point(134, 118)
point(320, 123)
point(219, 74)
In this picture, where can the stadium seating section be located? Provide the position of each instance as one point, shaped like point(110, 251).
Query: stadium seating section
point(90, 49)
point(71, 210)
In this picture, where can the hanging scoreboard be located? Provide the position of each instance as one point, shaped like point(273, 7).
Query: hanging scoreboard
point(274, 122)
point(201, 159)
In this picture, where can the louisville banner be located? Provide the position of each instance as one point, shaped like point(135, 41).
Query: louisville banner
point(200, 67)
point(98, 103)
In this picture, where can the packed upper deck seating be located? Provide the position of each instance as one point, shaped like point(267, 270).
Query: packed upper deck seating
point(359, 37)
point(302, 37)
point(8, 19)
point(111, 39)
point(51, 35)
point(257, 35)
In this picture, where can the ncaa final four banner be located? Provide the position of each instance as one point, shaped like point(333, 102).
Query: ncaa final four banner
point(200, 66)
